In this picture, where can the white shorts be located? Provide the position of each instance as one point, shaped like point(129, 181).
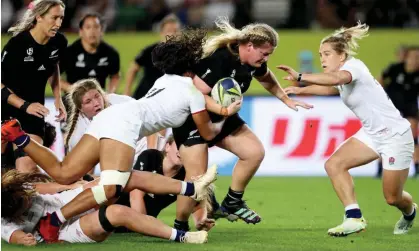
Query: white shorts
point(71, 232)
point(396, 151)
point(110, 123)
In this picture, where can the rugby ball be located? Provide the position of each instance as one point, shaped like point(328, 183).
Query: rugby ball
point(226, 91)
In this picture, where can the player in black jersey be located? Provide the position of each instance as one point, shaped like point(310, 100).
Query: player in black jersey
point(28, 60)
point(170, 25)
point(242, 55)
point(401, 82)
point(167, 163)
point(90, 56)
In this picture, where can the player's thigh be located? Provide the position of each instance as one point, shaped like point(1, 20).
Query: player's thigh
point(26, 164)
point(87, 229)
point(244, 144)
point(83, 157)
point(115, 155)
point(194, 159)
point(393, 183)
point(356, 151)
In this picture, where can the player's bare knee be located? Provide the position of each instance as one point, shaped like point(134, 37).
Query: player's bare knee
point(254, 155)
point(116, 212)
point(333, 166)
point(393, 200)
point(25, 164)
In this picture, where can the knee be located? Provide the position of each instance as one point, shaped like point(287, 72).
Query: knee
point(114, 212)
point(392, 200)
point(332, 166)
point(25, 164)
point(255, 154)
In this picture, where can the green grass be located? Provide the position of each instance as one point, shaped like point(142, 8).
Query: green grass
point(296, 215)
point(377, 50)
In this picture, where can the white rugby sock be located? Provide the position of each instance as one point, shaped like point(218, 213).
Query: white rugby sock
point(351, 206)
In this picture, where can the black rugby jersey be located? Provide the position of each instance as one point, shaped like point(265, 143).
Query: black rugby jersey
point(150, 72)
point(79, 64)
point(401, 87)
point(223, 63)
point(151, 160)
point(27, 65)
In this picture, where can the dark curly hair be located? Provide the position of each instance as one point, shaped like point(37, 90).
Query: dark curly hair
point(180, 53)
point(17, 193)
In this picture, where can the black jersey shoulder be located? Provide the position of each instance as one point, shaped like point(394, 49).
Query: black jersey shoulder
point(108, 48)
point(150, 160)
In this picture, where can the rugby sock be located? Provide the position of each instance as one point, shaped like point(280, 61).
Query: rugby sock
point(188, 189)
point(181, 225)
point(22, 141)
point(411, 216)
point(233, 197)
point(353, 211)
point(417, 169)
point(177, 235)
point(57, 218)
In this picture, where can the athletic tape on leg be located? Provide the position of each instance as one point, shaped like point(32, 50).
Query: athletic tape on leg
point(109, 177)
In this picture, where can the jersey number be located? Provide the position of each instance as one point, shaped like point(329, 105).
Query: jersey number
point(153, 92)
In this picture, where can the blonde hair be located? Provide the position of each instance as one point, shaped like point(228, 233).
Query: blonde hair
point(75, 98)
point(345, 40)
point(256, 33)
point(35, 8)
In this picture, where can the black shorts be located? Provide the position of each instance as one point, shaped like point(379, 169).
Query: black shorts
point(188, 134)
point(408, 110)
point(30, 123)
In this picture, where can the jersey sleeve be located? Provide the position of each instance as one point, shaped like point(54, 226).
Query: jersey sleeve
point(353, 68)
point(143, 58)
point(118, 99)
point(197, 100)
point(150, 160)
point(388, 71)
point(115, 63)
point(8, 60)
point(8, 228)
point(261, 71)
point(64, 59)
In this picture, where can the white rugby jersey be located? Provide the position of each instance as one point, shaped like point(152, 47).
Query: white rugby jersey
point(368, 100)
point(167, 105)
point(41, 205)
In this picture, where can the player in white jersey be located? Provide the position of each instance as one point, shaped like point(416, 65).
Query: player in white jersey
point(114, 133)
point(384, 132)
point(85, 100)
point(23, 207)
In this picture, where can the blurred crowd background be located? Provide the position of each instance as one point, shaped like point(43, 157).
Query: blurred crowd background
point(144, 15)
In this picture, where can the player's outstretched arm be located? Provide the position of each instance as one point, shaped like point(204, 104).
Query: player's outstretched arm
point(312, 90)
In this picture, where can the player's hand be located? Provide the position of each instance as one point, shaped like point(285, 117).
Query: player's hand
point(234, 107)
point(292, 74)
point(293, 90)
point(60, 108)
point(38, 110)
point(28, 240)
point(293, 104)
point(206, 224)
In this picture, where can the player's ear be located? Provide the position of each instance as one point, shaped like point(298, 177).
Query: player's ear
point(249, 46)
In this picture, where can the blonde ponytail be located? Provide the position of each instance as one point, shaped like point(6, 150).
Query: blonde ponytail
point(345, 40)
point(256, 33)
